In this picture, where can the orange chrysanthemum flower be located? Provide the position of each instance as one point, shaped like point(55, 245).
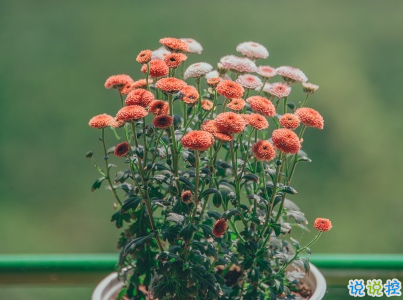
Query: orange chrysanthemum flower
point(175, 45)
point(289, 121)
point(310, 117)
point(127, 89)
point(230, 89)
point(100, 121)
point(122, 149)
point(139, 97)
point(190, 95)
point(236, 104)
point(197, 140)
point(229, 122)
point(144, 56)
point(135, 85)
point(159, 107)
point(163, 121)
point(132, 112)
point(256, 121)
point(158, 68)
point(174, 60)
point(224, 137)
point(219, 228)
point(322, 224)
point(170, 84)
point(186, 197)
point(262, 105)
point(263, 150)
point(286, 140)
point(209, 126)
point(213, 81)
point(118, 81)
point(207, 104)
point(116, 124)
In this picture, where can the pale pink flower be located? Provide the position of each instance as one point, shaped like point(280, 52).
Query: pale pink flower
point(160, 53)
point(212, 74)
point(291, 74)
point(253, 50)
point(279, 89)
point(194, 46)
point(309, 88)
point(239, 64)
point(249, 81)
point(198, 70)
point(266, 71)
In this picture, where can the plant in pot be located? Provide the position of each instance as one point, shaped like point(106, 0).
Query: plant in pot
point(207, 158)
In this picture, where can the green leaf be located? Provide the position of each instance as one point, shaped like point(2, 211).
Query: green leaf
point(214, 214)
point(298, 216)
point(187, 232)
point(136, 244)
point(295, 243)
point(207, 230)
point(189, 157)
point(250, 177)
point(276, 227)
point(289, 190)
point(304, 158)
point(247, 264)
point(217, 200)
point(229, 213)
point(119, 217)
point(97, 183)
point(186, 182)
point(130, 203)
point(209, 192)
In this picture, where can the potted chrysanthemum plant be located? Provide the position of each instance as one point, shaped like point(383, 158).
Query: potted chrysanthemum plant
point(206, 161)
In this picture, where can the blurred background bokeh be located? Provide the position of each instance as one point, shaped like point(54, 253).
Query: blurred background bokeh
point(56, 55)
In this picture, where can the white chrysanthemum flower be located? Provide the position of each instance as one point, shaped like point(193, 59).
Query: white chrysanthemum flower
point(309, 88)
point(266, 71)
point(212, 74)
point(249, 81)
point(253, 50)
point(197, 70)
point(291, 74)
point(194, 46)
point(239, 64)
point(160, 53)
point(279, 89)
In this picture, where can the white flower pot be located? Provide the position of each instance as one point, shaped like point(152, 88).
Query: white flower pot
point(110, 285)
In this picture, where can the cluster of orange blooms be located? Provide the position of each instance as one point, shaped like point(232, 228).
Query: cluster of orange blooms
point(238, 109)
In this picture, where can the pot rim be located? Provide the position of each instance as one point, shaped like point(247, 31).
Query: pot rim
point(110, 285)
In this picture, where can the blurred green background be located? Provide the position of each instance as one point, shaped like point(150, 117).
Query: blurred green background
point(56, 55)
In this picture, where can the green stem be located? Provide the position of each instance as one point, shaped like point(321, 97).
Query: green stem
point(196, 191)
point(237, 183)
point(261, 89)
point(225, 104)
point(285, 105)
point(107, 167)
point(306, 99)
point(297, 253)
point(273, 196)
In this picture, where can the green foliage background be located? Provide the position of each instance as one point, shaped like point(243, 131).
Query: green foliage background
point(56, 55)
